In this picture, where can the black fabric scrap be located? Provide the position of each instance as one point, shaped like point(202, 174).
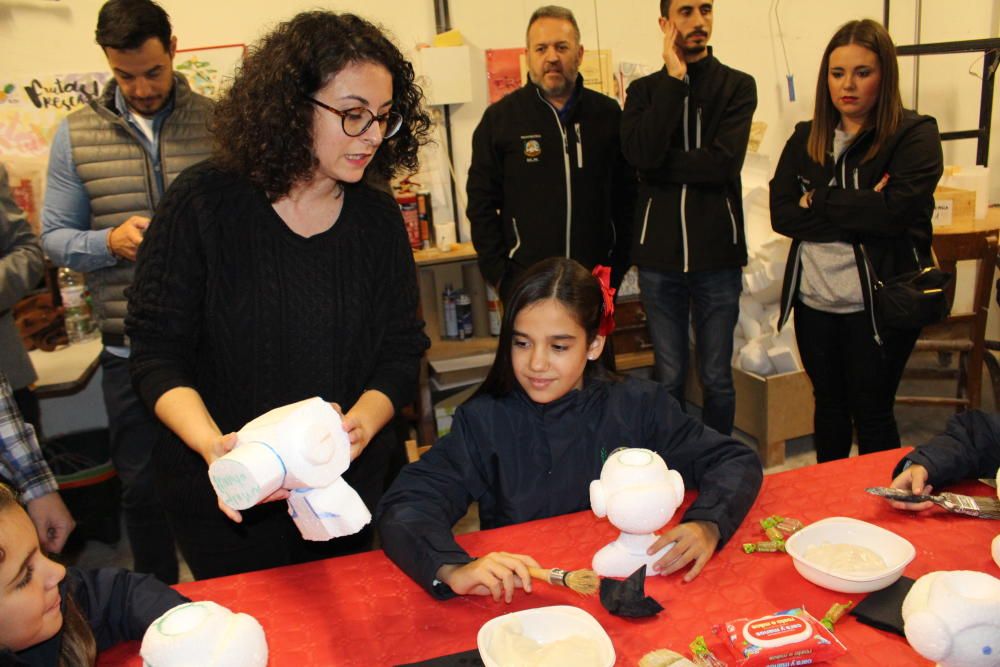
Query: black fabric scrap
point(628, 598)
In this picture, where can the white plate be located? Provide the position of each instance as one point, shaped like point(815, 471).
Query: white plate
point(894, 550)
point(548, 624)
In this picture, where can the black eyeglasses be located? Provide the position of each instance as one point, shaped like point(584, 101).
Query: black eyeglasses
point(357, 121)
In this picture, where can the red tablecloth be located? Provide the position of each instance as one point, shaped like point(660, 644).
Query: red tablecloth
point(361, 610)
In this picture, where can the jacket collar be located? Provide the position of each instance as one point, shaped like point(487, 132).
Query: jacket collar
point(704, 65)
point(574, 99)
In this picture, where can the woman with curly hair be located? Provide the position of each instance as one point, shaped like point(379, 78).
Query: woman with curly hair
point(272, 273)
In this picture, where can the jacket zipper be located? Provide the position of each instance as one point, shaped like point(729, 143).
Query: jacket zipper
point(579, 146)
point(517, 239)
point(868, 277)
point(684, 188)
point(645, 222)
point(566, 166)
point(732, 219)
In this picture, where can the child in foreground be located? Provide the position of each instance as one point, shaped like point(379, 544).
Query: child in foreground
point(53, 616)
point(537, 432)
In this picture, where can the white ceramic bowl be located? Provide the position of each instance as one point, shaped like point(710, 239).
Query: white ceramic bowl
point(548, 624)
point(894, 550)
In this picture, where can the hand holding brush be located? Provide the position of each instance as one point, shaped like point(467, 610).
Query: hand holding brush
point(584, 582)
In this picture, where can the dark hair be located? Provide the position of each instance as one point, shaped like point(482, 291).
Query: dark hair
point(263, 124)
point(78, 646)
point(887, 114)
point(552, 12)
point(664, 8)
point(564, 280)
point(127, 24)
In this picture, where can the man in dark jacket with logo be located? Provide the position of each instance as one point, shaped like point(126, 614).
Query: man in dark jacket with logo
point(109, 165)
point(685, 129)
point(547, 176)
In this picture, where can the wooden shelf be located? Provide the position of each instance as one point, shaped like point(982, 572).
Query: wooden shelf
point(452, 349)
point(460, 252)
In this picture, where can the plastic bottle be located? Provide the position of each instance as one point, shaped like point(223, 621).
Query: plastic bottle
point(463, 311)
point(493, 307)
point(450, 315)
point(73, 292)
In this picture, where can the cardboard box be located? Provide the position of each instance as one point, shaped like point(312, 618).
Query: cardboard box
point(772, 409)
point(459, 371)
point(953, 206)
point(445, 409)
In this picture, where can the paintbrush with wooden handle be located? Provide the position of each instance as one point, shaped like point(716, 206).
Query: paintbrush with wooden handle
point(977, 506)
point(584, 582)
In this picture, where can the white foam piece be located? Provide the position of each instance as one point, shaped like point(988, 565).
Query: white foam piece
point(753, 358)
point(782, 359)
point(328, 512)
point(204, 634)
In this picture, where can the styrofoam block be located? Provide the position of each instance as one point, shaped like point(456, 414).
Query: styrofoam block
point(754, 359)
point(782, 359)
point(749, 326)
point(751, 307)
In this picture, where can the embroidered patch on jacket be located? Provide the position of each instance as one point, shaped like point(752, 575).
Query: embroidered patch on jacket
point(532, 148)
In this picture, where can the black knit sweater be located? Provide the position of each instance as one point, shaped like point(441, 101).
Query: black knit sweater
point(228, 300)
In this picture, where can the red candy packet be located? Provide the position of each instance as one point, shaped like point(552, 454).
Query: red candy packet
point(782, 639)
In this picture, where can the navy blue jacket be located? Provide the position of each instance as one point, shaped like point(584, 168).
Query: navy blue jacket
point(523, 461)
point(119, 605)
point(968, 448)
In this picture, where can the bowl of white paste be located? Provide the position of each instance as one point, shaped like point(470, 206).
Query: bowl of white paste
point(544, 637)
point(848, 555)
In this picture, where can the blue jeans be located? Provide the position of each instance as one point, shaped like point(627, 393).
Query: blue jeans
point(713, 300)
point(133, 432)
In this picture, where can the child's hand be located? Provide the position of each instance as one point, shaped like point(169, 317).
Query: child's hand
point(496, 574)
point(693, 541)
point(913, 480)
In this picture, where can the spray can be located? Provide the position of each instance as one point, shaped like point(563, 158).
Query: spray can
point(450, 315)
point(493, 307)
point(463, 311)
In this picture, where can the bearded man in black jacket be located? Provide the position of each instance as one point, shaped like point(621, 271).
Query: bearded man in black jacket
point(685, 129)
point(548, 178)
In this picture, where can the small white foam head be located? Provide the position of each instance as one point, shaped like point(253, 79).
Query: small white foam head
point(204, 634)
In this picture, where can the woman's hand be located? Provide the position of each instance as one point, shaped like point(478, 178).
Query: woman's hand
point(913, 480)
point(694, 541)
point(215, 449)
point(807, 199)
point(497, 574)
point(365, 418)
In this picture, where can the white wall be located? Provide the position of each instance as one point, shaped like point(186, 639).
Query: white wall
point(46, 36)
point(41, 35)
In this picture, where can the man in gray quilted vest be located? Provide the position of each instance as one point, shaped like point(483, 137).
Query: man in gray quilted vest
point(109, 165)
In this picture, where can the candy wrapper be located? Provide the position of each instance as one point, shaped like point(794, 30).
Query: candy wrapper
point(702, 656)
point(783, 638)
point(835, 613)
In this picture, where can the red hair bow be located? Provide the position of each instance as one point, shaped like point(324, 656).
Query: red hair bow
point(603, 275)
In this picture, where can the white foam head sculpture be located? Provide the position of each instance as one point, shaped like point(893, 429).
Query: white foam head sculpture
point(301, 447)
point(204, 634)
point(953, 618)
point(639, 495)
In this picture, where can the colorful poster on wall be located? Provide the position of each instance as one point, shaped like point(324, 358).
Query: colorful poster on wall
point(505, 71)
point(209, 69)
point(31, 107)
